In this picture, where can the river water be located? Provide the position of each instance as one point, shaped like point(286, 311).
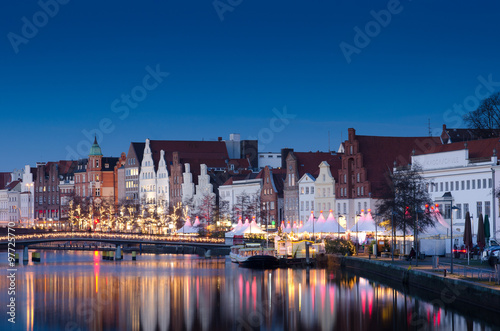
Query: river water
point(75, 290)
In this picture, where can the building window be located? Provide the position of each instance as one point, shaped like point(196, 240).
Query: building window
point(468, 184)
point(359, 208)
point(451, 186)
point(466, 208)
point(312, 189)
point(478, 183)
point(484, 183)
point(486, 208)
point(307, 205)
point(302, 190)
point(362, 191)
point(489, 182)
point(345, 208)
point(328, 192)
point(459, 211)
point(357, 177)
point(473, 184)
point(441, 186)
point(463, 185)
point(272, 205)
point(479, 208)
point(446, 185)
point(447, 211)
point(302, 205)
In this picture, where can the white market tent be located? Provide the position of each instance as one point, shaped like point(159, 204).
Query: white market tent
point(230, 234)
point(367, 224)
point(308, 227)
point(287, 229)
point(252, 228)
point(331, 225)
point(187, 228)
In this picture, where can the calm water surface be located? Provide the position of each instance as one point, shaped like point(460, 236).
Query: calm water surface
point(79, 291)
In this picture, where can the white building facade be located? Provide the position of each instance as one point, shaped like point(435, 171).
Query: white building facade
point(232, 196)
point(10, 204)
point(324, 197)
point(470, 182)
point(306, 196)
point(270, 159)
point(153, 184)
point(27, 197)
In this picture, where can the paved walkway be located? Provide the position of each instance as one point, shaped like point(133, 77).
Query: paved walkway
point(475, 272)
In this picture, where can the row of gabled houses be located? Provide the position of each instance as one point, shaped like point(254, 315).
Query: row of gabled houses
point(275, 187)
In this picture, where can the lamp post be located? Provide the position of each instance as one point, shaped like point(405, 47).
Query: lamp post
point(451, 232)
point(338, 226)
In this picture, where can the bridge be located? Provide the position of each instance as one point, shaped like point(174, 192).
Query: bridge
point(118, 239)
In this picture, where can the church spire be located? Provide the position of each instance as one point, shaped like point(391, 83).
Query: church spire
point(95, 149)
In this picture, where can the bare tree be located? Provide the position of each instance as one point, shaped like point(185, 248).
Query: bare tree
point(206, 208)
point(485, 120)
point(404, 203)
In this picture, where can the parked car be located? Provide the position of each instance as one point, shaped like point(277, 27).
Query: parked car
point(491, 254)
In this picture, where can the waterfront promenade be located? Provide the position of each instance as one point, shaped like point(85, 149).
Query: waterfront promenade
point(475, 272)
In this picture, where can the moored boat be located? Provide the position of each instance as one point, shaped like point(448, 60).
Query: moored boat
point(260, 262)
point(233, 254)
point(257, 257)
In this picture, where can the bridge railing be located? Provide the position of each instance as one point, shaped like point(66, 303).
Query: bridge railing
point(113, 236)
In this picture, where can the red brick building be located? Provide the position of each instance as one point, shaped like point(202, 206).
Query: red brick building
point(366, 163)
point(271, 196)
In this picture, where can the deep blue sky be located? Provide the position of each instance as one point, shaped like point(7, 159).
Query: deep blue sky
point(228, 76)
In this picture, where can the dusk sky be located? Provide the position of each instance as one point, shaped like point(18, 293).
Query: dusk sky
point(232, 66)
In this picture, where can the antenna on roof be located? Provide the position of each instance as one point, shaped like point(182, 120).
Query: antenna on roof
point(429, 125)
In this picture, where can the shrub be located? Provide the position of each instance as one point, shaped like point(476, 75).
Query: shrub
point(339, 246)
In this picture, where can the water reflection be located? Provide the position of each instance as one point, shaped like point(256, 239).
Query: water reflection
point(77, 290)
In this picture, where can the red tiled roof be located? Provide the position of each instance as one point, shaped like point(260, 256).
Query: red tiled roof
point(379, 154)
point(190, 152)
point(482, 148)
point(11, 185)
point(240, 163)
point(67, 167)
point(240, 176)
point(278, 178)
point(309, 163)
point(4, 179)
point(462, 135)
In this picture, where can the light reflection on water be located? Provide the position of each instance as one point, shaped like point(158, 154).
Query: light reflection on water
point(79, 291)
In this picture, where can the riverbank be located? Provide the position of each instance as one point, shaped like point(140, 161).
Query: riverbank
point(443, 290)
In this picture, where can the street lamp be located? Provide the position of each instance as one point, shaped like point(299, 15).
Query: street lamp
point(448, 197)
point(451, 232)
